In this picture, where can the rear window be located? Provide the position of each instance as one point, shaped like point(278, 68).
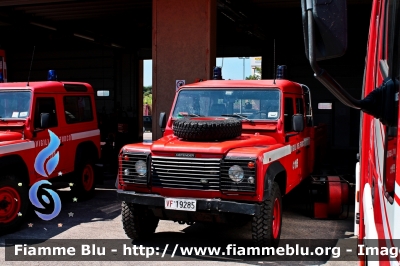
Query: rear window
point(77, 109)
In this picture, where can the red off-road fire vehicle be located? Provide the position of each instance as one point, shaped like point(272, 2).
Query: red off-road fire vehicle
point(230, 151)
point(48, 130)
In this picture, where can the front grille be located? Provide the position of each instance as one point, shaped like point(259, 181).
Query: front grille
point(244, 186)
point(185, 173)
point(128, 161)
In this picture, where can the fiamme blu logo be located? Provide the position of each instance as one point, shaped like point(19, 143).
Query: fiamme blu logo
point(45, 163)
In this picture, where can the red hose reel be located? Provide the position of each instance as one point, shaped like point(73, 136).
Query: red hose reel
point(329, 196)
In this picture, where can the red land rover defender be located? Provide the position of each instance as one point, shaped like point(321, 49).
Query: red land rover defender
point(230, 151)
point(47, 131)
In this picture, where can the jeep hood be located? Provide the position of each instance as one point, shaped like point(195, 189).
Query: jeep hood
point(172, 143)
point(10, 135)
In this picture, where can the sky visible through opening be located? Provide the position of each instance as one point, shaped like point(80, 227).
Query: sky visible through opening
point(232, 68)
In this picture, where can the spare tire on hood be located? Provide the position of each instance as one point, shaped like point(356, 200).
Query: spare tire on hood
point(207, 128)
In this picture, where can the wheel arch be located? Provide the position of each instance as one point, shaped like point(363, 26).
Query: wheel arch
point(84, 149)
point(275, 173)
point(15, 163)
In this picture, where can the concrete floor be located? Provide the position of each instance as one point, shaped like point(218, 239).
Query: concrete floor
point(100, 218)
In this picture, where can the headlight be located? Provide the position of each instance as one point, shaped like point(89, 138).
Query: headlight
point(141, 167)
point(236, 173)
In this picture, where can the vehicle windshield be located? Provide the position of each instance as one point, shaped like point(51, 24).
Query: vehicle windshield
point(255, 104)
point(15, 104)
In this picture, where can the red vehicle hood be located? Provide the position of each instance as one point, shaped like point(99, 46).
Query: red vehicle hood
point(10, 135)
point(172, 143)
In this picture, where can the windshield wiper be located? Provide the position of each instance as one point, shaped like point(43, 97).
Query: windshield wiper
point(239, 116)
point(194, 115)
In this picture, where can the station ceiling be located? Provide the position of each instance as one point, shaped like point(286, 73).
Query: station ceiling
point(126, 24)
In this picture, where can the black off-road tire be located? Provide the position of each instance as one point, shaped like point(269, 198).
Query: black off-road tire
point(138, 221)
point(84, 181)
point(207, 128)
point(14, 203)
point(262, 226)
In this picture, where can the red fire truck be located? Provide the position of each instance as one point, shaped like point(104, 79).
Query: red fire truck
point(377, 212)
point(48, 131)
point(230, 151)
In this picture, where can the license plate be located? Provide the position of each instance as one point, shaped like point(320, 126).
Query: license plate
point(180, 204)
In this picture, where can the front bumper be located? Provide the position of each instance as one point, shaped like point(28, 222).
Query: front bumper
point(153, 200)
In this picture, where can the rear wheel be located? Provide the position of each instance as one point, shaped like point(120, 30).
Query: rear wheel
point(13, 203)
point(266, 227)
point(138, 222)
point(85, 180)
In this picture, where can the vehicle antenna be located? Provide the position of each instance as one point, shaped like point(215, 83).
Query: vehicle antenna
point(274, 61)
point(29, 74)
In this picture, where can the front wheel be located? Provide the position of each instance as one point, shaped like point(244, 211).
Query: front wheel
point(13, 203)
point(138, 221)
point(266, 227)
point(84, 180)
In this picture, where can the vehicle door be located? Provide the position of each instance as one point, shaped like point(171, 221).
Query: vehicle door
point(50, 154)
point(293, 139)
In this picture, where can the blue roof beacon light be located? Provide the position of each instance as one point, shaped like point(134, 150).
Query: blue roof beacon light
point(51, 75)
point(1, 78)
point(217, 73)
point(281, 72)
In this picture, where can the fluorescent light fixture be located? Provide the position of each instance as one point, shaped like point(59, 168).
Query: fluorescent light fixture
point(43, 26)
point(84, 37)
point(325, 106)
point(116, 45)
point(103, 93)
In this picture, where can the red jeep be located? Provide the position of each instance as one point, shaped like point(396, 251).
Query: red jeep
point(230, 151)
point(47, 131)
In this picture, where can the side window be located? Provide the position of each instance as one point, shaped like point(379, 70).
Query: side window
point(77, 109)
point(45, 105)
point(299, 106)
point(288, 114)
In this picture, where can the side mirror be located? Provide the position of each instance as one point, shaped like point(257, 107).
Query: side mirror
point(298, 122)
point(44, 120)
point(162, 121)
point(330, 23)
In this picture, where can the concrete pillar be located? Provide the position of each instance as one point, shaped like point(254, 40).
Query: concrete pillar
point(184, 48)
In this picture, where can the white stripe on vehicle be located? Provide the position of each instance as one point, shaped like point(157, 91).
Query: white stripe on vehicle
point(306, 142)
point(277, 154)
point(17, 147)
point(369, 221)
point(274, 155)
point(85, 134)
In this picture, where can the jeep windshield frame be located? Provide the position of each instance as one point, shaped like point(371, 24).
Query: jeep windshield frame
point(15, 104)
point(257, 104)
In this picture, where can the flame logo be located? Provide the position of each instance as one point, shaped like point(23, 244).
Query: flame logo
point(46, 194)
point(44, 200)
point(47, 152)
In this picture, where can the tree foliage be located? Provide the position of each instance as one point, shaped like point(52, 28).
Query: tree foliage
point(256, 75)
point(147, 95)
